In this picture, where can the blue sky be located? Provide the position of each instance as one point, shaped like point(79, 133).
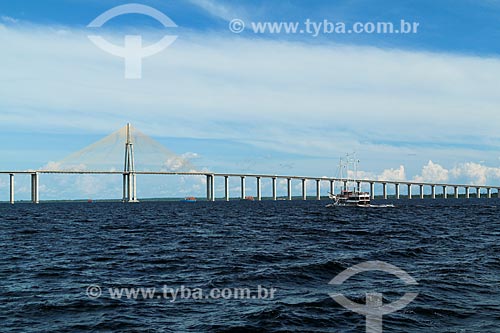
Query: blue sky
point(277, 103)
point(465, 26)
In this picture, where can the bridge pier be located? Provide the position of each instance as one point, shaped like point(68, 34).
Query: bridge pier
point(478, 192)
point(498, 192)
point(433, 191)
point(345, 185)
point(34, 188)
point(488, 192)
point(455, 191)
point(274, 188)
point(467, 192)
point(396, 188)
point(384, 190)
point(134, 191)
point(318, 189)
point(332, 187)
point(11, 197)
point(358, 186)
point(124, 183)
point(243, 195)
point(289, 189)
point(304, 190)
point(421, 191)
point(226, 188)
point(212, 187)
point(409, 191)
point(372, 190)
point(208, 188)
point(445, 193)
point(129, 188)
point(259, 196)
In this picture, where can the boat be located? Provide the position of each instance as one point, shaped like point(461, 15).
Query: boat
point(351, 198)
point(351, 194)
point(189, 199)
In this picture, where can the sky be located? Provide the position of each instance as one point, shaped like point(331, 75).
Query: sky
point(419, 106)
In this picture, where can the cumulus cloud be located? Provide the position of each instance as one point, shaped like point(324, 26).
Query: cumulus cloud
point(433, 173)
point(468, 172)
point(393, 174)
point(476, 173)
point(387, 174)
point(360, 174)
point(174, 163)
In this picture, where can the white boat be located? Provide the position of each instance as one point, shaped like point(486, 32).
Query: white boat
point(350, 195)
point(351, 198)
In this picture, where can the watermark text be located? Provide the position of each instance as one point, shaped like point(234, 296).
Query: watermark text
point(324, 27)
point(173, 294)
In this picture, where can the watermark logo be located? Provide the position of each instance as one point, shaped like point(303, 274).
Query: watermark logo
point(374, 308)
point(132, 52)
point(236, 26)
point(94, 291)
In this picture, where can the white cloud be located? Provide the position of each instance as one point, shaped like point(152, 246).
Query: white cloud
point(217, 9)
point(174, 163)
point(387, 174)
point(393, 174)
point(291, 97)
point(361, 174)
point(190, 155)
point(61, 166)
point(433, 173)
point(476, 173)
point(8, 19)
point(463, 173)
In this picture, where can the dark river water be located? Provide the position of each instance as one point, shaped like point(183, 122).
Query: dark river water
point(57, 258)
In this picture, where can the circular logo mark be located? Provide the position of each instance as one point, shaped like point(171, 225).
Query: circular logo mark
point(94, 291)
point(237, 26)
point(133, 52)
point(374, 308)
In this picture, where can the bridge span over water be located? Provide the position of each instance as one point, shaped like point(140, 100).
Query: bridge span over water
point(130, 185)
point(129, 176)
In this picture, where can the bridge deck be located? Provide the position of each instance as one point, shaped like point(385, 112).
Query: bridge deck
point(250, 175)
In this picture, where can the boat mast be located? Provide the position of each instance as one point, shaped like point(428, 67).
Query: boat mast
point(342, 166)
point(343, 172)
point(351, 159)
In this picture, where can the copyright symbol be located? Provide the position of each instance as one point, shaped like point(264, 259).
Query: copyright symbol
point(94, 291)
point(236, 26)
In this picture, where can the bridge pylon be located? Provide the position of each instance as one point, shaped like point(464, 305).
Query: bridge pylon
point(129, 175)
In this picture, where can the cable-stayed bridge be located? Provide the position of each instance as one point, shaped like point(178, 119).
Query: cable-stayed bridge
point(129, 153)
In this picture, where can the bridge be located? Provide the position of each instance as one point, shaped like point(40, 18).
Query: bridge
point(129, 176)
